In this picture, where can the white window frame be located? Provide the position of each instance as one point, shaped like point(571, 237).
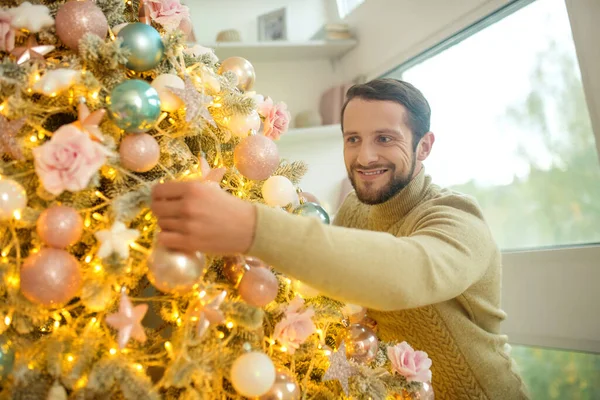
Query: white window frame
point(552, 295)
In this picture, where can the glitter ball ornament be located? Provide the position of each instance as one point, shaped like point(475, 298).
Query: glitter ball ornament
point(169, 101)
point(134, 105)
point(278, 191)
point(256, 157)
point(253, 374)
point(139, 152)
point(12, 198)
point(243, 70)
point(7, 357)
point(258, 287)
point(174, 272)
point(60, 226)
point(284, 388)
point(361, 343)
point(50, 277)
point(75, 19)
point(145, 45)
point(312, 210)
point(242, 125)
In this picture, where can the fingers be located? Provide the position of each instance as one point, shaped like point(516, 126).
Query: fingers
point(174, 241)
point(175, 225)
point(168, 208)
point(173, 190)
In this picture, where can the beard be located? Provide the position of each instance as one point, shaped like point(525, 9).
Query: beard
point(396, 183)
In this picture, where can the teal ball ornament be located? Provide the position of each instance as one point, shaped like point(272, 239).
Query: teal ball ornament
point(7, 357)
point(312, 210)
point(145, 44)
point(134, 106)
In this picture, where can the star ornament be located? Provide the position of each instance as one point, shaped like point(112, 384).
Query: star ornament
point(208, 313)
point(117, 240)
point(90, 122)
point(339, 368)
point(208, 174)
point(8, 137)
point(128, 321)
point(32, 50)
point(196, 103)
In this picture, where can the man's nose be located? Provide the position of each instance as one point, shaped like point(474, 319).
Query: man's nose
point(367, 155)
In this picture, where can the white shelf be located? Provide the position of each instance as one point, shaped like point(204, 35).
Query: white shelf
point(311, 135)
point(284, 51)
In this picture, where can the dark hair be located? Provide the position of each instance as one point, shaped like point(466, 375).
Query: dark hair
point(403, 93)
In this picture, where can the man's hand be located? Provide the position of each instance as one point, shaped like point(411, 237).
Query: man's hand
point(196, 216)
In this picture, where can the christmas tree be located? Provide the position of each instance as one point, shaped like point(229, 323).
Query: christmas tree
point(99, 102)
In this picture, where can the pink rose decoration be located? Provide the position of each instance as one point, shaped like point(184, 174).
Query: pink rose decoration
point(296, 326)
point(168, 13)
point(413, 365)
point(7, 32)
point(277, 118)
point(69, 160)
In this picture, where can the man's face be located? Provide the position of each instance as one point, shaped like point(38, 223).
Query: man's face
point(378, 149)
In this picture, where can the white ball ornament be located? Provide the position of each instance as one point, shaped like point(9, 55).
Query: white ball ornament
point(253, 374)
point(278, 191)
point(241, 125)
point(12, 198)
point(169, 101)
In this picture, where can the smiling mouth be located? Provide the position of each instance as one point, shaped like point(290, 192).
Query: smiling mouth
point(372, 172)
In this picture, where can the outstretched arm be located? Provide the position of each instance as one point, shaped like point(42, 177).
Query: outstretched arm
point(449, 250)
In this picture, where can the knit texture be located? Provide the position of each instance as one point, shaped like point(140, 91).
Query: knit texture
point(426, 266)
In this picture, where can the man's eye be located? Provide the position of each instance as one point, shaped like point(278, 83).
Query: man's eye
point(384, 139)
point(352, 139)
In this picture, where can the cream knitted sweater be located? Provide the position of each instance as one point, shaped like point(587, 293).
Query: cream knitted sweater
point(425, 265)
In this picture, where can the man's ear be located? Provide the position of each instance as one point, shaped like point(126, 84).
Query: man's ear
point(425, 145)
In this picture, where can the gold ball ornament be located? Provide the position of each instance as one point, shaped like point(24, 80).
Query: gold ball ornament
point(284, 388)
point(175, 272)
point(361, 343)
point(243, 70)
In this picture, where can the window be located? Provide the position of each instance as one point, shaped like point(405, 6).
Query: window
point(513, 127)
point(555, 374)
point(345, 7)
point(513, 130)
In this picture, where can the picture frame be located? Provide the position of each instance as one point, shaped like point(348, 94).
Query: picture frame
point(272, 26)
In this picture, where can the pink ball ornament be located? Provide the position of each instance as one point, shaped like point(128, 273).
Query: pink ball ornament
point(60, 226)
point(258, 287)
point(256, 157)
point(50, 278)
point(75, 19)
point(139, 152)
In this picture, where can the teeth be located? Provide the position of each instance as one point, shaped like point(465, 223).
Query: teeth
point(374, 172)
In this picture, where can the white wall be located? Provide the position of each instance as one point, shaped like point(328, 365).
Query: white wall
point(299, 84)
point(304, 17)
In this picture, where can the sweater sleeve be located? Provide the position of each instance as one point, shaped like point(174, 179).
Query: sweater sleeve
point(449, 250)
